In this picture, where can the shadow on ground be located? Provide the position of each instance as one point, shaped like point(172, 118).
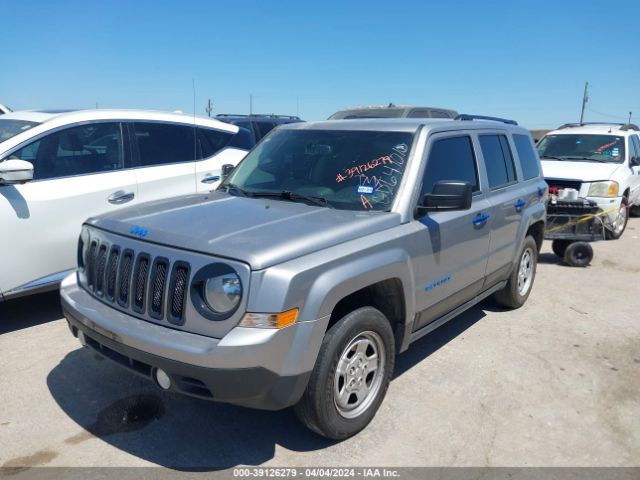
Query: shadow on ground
point(551, 259)
point(133, 415)
point(29, 311)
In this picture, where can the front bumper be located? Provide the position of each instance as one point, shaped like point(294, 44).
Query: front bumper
point(260, 368)
point(609, 208)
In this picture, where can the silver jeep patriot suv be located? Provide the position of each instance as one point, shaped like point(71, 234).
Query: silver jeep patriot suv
point(328, 250)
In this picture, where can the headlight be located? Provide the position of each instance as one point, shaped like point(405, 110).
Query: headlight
point(216, 291)
point(603, 189)
point(223, 293)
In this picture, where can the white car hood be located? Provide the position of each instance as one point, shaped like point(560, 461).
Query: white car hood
point(585, 171)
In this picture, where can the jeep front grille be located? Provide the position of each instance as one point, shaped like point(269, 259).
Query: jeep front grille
point(136, 281)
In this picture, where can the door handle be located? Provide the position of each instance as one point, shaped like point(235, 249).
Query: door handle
point(520, 204)
point(120, 197)
point(210, 178)
point(480, 219)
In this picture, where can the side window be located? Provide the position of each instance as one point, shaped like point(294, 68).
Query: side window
point(450, 159)
point(211, 141)
point(528, 157)
point(161, 143)
point(439, 114)
point(419, 113)
point(91, 148)
point(498, 160)
point(264, 128)
point(634, 146)
point(242, 140)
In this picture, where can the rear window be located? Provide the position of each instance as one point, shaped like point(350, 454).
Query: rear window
point(528, 158)
point(11, 128)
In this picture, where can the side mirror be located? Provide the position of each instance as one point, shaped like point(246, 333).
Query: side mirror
point(634, 161)
point(447, 195)
point(15, 172)
point(226, 170)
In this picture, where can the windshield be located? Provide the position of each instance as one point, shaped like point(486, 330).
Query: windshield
point(582, 147)
point(11, 128)
point(349, 170)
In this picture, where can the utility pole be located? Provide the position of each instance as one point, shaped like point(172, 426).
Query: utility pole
point(297, 106)
point(250, 104)
point(630, 117)
point(209, 108)
point(585, 99)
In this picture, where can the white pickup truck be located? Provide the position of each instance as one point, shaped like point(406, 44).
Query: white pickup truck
point(602, 162)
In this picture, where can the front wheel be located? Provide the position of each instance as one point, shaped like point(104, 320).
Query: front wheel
point(620, 223)
point(520, 282)
point(351, 375)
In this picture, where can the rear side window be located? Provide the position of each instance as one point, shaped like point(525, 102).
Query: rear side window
point(91, 148)
point(450, 159)
point(264, 128)
point(160, 143)
point(528, 157)
point(498, 160)
point(242, 140)
point(211, 141)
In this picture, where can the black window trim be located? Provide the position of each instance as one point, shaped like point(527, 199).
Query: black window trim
point(67, 126)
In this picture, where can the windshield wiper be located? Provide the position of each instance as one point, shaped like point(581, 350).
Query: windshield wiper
point(234, 188)
point(552, 158)
point(294, 196)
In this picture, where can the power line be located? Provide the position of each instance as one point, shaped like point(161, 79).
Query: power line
point(608, 115)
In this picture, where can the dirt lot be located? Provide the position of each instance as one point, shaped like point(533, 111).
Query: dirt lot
point(556, 383)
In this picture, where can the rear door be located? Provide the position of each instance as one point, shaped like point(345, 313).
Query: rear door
point(456, 244)
point(79, 172)
point(215, 149)
point(506, 206)
point(165, 159)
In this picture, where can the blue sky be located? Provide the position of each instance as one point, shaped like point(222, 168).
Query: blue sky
point(519, 59)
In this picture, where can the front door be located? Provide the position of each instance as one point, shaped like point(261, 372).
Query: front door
point(78, 173)
point(456, 244)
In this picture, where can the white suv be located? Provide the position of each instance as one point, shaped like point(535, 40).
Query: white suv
point(602, 162)
point(58, 168)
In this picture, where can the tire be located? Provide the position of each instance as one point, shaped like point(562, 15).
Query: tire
point(560, 246)
point(578, 254)
point(634, 211)
point(515, 293)
point(336, 416)
point(619, 228)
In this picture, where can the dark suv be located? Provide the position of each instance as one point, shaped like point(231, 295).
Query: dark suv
point(258, 125)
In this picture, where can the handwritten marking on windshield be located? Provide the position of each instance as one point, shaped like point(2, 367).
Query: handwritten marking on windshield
point(365, 202)
point(365, 167)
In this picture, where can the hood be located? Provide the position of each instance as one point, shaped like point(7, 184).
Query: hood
point(583, 171)
point(260, 232)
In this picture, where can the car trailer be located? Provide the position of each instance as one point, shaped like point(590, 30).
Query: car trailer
point(571, 226)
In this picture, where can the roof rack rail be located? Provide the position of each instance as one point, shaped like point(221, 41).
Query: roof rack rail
point(623, 126)
point(270, 115)
point(466, 116)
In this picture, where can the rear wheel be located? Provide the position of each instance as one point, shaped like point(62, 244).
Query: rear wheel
point(351, 375)
point(634, 211)
point(518, 287)
point(578, 254)
point(620, 223)
point(560, 246)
